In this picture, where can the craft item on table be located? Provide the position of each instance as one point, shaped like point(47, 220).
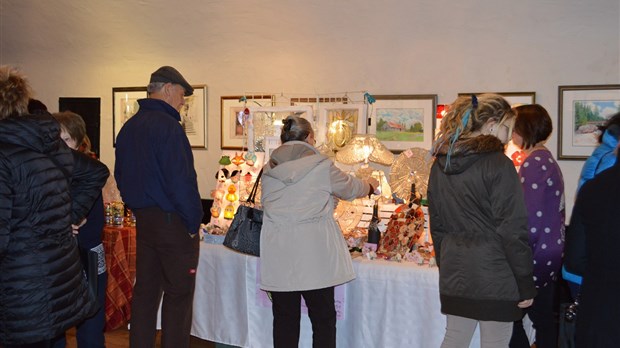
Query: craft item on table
point(370, 251)
point(412, 166)
point(404, 230)
point(415, 256)
point(250, 158)
point(216, 211)
point(229, 212)
point(247, 177)
point(224, 160)
point(217, 195)
point(355, 239)
point(348, 215)
point(221, 175)
point(232, 195)
point(238, 159)
point(235, 176)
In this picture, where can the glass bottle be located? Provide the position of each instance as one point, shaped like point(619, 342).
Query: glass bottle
point(373, 229)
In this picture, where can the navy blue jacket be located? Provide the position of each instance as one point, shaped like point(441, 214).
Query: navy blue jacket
point(154, 163)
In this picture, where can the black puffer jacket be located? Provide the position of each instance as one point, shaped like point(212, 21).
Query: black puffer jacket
point(43, 291)
point(478, 223)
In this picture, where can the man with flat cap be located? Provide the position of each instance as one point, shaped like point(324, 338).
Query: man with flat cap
point(156, 177)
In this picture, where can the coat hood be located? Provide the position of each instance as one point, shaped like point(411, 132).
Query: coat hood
point(466, 152)
point(40, 133)
point(292, 161)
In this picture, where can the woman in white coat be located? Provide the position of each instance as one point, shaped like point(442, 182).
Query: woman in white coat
point(303, 252)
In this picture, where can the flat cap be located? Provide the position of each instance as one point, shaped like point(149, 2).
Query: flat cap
point(168, 74)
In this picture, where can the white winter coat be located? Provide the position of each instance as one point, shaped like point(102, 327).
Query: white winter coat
point(301, 246)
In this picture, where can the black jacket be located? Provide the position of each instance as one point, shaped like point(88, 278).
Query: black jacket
point(597, 208)
point(478, 222)
point(44, 187)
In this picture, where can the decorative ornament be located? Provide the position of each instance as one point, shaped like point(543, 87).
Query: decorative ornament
point(238, 159)
point(232, 195)
point(412, 165)
point(247, 177)
point(216, 211)
point(250, 158)
point(221, 175)
point(229, 212)
point(217, 195)
point(225, 160)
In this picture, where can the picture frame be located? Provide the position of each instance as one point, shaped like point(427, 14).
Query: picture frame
point(403, 121)
point(194, 117)
point(232, 132)
point(353, 116)
point(316, 102)
point(193, 113)
point(514, 98)
point(581, 110)
point(267, 122)
point(124, 106)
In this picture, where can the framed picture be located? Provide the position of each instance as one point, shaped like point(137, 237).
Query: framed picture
point(401, 122)
point(233, 136)
point(193, 113)
point(582, 109)
point(316, 103)
point(514, 98)
point(337, 123)
point(266, 122)
point(194, 117)
point(124, 106)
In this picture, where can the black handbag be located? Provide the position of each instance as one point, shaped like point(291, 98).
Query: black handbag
point(568, 318)
point(244, 232)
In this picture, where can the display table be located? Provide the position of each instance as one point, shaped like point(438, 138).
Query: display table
point(390, 304)
point(120, 256)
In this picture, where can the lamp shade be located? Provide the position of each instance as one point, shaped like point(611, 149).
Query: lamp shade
point(363, 148)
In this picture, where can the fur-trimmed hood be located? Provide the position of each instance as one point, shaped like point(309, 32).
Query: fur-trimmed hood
point(465, 152)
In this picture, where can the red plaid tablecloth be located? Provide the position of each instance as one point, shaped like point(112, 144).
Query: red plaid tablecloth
point(120, 256)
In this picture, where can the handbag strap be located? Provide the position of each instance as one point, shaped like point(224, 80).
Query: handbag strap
point(255, 188)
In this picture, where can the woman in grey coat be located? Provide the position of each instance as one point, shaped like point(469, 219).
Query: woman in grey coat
point(303, 252)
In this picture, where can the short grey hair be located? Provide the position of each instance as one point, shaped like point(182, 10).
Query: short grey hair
point(154, 87)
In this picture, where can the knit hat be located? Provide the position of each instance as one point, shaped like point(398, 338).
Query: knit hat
point(168, 74)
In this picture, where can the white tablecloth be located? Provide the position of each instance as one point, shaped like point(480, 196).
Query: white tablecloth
point(390, 304)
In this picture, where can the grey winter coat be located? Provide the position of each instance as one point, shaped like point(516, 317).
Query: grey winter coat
point(302, 247)
point(478, 223)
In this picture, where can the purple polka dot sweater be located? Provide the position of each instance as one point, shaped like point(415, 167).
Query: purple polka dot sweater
point(543, 187)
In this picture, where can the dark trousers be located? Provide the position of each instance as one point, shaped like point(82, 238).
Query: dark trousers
point(166, 261)
point(543, 314)
point(287, 315)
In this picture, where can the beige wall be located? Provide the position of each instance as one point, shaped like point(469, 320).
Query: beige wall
point(73, 48)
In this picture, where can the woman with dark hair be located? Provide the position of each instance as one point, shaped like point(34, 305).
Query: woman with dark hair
point(543, 188)
point(303, 252)
point(478, 223)
point(89, 334)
